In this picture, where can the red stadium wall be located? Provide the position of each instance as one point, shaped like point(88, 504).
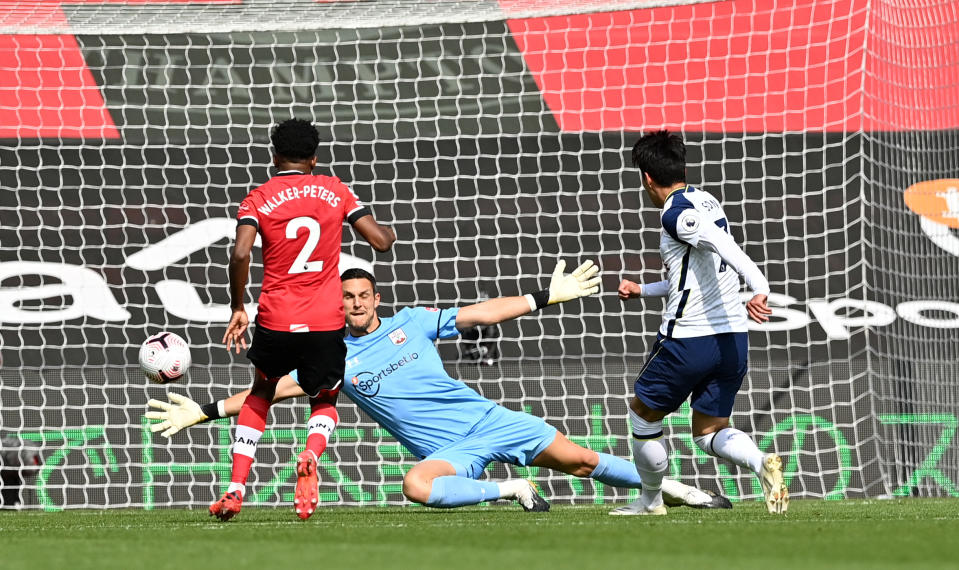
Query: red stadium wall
point(747, 66)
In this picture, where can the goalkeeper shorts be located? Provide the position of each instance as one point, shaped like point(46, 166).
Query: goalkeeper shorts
point(503, 435)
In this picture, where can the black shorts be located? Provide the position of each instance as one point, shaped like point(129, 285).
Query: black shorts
point(319, 357)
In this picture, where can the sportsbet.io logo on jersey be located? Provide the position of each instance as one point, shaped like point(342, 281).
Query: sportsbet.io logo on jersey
point(368, 383)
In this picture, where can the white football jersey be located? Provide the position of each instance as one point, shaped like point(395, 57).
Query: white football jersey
point(703, 264)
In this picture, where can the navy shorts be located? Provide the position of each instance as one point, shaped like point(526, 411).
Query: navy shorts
point(708, 370)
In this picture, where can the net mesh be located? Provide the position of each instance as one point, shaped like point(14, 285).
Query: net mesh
point(494, 138)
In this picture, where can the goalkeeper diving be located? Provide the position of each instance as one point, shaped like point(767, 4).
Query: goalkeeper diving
point(395, 374)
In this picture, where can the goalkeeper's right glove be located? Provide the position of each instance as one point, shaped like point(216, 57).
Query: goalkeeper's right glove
point(181, 413)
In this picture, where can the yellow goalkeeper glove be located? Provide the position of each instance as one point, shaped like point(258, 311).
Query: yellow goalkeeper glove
point(180, 413)
point(581, 282)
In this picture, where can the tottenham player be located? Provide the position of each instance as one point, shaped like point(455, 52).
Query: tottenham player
point(395, 374)
point(701, 349)
point(299, 217)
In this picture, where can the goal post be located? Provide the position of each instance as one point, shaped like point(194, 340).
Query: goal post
point(494, 137)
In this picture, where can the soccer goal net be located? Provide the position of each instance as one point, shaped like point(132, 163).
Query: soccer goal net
point(494, 137)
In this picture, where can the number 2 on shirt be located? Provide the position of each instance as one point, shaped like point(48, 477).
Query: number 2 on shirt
point(301, 263)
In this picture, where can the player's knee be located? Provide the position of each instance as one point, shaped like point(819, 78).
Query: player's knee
point(417, 489)
point(643, 428)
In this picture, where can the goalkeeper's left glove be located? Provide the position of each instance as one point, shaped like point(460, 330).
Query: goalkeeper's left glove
point(181, 413)
point(581, 282)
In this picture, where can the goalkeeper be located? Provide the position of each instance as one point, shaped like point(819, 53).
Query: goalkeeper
point(395, 374)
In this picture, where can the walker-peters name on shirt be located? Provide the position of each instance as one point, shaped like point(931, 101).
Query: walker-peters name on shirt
point(308, 191)
point(368, 383)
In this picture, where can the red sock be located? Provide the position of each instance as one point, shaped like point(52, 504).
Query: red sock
point(249, 428)
point(323, 419)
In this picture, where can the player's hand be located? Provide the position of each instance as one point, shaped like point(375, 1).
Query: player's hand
point(629, 289)
point(233, 336)
point(581, 282)
point(181, 413)
point(757, 309)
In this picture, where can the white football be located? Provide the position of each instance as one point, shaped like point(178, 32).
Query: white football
point(164, 357)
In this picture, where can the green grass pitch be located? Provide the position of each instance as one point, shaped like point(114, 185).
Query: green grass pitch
point(850, 534)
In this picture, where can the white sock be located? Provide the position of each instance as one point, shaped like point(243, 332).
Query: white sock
point(652, 461)
point(732, 445)
point(650, 456)
point(237, 487)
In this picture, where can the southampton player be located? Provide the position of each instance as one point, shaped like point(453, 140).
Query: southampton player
point(299, 217)
point(394, 373)
point(701, 349)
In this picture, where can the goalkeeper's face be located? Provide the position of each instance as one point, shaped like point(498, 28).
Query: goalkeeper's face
point(359, 303)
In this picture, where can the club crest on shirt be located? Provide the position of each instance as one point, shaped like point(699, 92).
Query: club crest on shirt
point(398, 336)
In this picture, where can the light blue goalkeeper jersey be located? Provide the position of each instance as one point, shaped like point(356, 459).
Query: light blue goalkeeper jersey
point(395, 375)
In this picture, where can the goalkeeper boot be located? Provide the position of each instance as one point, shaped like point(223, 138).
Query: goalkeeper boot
point(228, 506)
point(676, 494)
point(774, 488)
point(527, 494)
point(307, 494)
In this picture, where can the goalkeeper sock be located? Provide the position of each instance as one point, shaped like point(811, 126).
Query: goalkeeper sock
point(617, 472)
point(732, 445)
point(452, 491)
point(323, 419)
point(250, 426)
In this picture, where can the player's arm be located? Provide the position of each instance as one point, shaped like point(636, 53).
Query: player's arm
point(581, 282)
point(239, 271)
point(691, 229)
point(631, 290)
point(377, 235)
point(181, 412)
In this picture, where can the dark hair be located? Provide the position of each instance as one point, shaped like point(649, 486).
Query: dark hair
point(295, 139)
point(661, 155)
point(357, 273)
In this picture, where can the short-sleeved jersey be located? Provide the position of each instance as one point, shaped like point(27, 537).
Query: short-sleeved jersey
point(395, 375)
point(300, 221)
point(703, 294)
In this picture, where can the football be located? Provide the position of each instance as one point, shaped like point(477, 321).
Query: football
point(164, 357)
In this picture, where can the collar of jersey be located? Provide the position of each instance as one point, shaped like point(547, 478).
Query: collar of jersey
point(379, 330)
point(289, 173)
point(685, 188)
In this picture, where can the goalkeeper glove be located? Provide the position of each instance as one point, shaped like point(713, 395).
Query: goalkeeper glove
point(181, 413)
point(581, 282)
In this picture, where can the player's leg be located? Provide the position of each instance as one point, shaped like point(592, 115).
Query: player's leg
point(568, 457)
point(449, 478)
point(320, 374)
point(712, 405)
point(322, 422)
point(715, 436)
point(651, 458)
point(666, 380)
point(250, 426)
point(435, 483)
